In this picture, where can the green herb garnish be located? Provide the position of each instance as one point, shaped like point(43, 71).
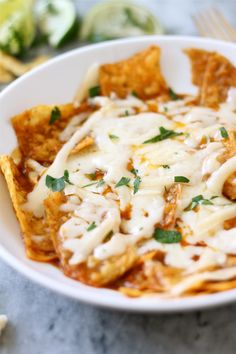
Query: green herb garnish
point(166, 166)
point(98, 183)
point(134, 171)
point(57, 184)
point(94, 91)
point(55, 115)
point(224, 133)
point(124, 181)
point(181, 179)
point(66, 177)
point(167, 236)
point(92, 226)
point(113, 137)
point(173, 95)
point(164, 134)
point(137, 182)
point(199, 199)
point(126, 113)
point(165, 109)
point(134, 93)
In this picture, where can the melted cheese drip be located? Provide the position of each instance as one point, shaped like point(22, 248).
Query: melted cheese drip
point(184, 157)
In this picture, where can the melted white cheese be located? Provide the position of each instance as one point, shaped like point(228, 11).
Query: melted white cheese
point(120, 139)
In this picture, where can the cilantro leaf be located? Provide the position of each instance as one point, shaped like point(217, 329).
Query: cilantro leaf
point(66, 177)
point(199, 200)
point(92, 226)
point(113, 137)
point(57, 184)
point(164, 134)
point(94, 91)
point(98, 183)
point(55, 115)
point(224, 133)
point(173, 95)
point(137, 182)
point(167, 236)
point(134, 171)
point(166, 166)
point(124, 181)
point(181, 179)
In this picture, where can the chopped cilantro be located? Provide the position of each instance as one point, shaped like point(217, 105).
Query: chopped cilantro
point(134, 93)
point(199, 199)
point(55, 115)
point(167, 236)
point(181, 179)
point(94, 91)
point(164, 134)
point(98, 183)
point(166, 166)
point(66, 177)
point(124, 181)
point(173, 95)
point(92, 226)
point(224, 133)
point(113, 137)
point(57, 184)
point(137, 182)
point(134, 171)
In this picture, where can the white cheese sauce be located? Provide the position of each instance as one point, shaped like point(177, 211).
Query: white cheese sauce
point(120, 135)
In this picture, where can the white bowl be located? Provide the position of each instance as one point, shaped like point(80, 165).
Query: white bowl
point(56, 82)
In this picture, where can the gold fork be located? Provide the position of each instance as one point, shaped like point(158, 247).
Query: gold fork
point(212, 23)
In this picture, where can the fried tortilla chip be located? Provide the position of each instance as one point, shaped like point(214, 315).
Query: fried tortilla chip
point(171, 196)
point(214, 74)
point(37, 240)
point(198, 59)
point(37, 138)
point(93, 272)
point(140, 74)
point(220, 75)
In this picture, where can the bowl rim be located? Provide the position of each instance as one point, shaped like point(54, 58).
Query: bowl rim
point(181, 304)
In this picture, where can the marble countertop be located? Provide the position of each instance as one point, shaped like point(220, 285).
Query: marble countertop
point(41, 321)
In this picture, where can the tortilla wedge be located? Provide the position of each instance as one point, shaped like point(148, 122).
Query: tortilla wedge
point(140, 74)
point(35, 233)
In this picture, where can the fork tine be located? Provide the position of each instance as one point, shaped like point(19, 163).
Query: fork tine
point(199, 25)
point(212, 23)
point(205, 27)
point(217, 26)
point(226, 26)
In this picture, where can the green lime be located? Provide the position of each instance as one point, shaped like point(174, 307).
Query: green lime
point(17, 27)
point(116, 19)
point(57, 20)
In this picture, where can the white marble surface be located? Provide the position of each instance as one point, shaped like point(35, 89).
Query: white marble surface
point(43, 322)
